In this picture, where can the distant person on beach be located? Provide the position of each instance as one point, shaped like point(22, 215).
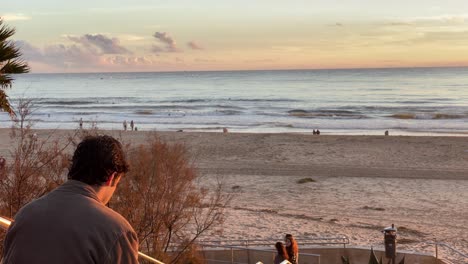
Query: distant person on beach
point(131, 125)
point(292, 249)
point(225, 130)
point(318, 132)
point(72, 224)
point(2, 163)
point(386, 132)
point(125, 125)
point(281, 254)
point(2, 173)
point(81, 123)
point(314, 132)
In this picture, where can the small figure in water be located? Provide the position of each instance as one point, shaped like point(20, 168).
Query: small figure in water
point(125, 125)
point(81, 123)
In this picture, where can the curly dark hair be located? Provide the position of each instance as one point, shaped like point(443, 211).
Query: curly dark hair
point(96, 158)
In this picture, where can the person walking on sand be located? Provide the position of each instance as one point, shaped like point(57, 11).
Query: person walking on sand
point(72, 224)
point(125, 125)
point(131, 125)
point(281, 255)
point(292, 249)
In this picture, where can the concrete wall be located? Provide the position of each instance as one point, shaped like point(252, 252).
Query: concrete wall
point(308, 256)
point(362, 255)
point(251, 256)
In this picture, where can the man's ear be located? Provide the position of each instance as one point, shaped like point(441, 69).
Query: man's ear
point(114, 178)
point(110, 180)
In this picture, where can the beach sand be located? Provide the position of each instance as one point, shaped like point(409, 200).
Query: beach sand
point(362, 184)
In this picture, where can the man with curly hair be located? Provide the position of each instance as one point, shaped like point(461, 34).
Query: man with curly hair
point(72, 224)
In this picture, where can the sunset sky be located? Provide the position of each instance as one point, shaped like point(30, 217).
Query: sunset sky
point(117, 35)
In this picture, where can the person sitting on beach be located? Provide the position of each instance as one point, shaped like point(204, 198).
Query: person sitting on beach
point(292, 249)
point(318, 132)
point(314, 133)
point(281, 256)
point(386, 132)
point(72, 224)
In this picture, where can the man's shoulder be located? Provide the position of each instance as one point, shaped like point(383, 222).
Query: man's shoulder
point(115, 219)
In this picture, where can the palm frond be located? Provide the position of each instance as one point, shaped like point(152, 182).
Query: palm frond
point(15, 67)
point(10, 63)
point(5, 81)
point(5, 32)
point(8, 51)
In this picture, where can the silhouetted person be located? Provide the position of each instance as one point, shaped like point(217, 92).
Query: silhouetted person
point(125, 125)
point(318, 132)
point(386, 132)
point(131, 125)
point(72, 224)
point(314, 132)
point(81, 123)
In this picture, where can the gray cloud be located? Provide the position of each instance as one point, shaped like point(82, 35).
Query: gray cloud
point(128, 61)
point(105, 44)
point(193, 45)
point(166, 39)
point(156, 49)
point(76, 56)
point(58, 55)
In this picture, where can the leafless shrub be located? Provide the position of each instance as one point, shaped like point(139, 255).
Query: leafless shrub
point(36, 165)
point(162, 201)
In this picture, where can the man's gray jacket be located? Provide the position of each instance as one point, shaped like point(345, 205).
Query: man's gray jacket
point(70, 225)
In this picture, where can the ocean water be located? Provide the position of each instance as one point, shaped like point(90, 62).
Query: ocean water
point(423, 101)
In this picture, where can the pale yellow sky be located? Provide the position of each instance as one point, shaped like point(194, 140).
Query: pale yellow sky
point(58, 36)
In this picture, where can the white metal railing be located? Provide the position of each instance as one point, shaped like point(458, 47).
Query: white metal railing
point(445, 245)
point(5, 223)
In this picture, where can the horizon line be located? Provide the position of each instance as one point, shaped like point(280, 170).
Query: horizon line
point(261, 70)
